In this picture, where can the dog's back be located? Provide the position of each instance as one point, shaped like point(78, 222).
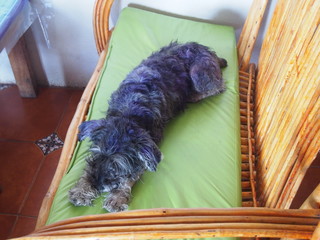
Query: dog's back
point(162, 85)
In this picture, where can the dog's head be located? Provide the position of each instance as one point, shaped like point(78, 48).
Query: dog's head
point(120, 149)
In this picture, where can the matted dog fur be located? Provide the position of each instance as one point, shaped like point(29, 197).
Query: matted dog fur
point(124, 143)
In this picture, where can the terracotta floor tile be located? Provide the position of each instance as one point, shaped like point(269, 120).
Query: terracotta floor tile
point(41, 184)
point(24, 226)
point(6, 223)
point(316, 162)
point(31, 119)
point(19, 164)
point(68, 115)
point(309, 183)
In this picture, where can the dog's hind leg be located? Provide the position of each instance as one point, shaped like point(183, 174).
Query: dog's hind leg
point(118, 199)
point(83, 193)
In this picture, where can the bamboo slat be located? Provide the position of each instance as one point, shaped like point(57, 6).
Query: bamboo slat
point(250, 32)
point(302, 223)
point(185, 234)
point(287, 101)
point(248, 173)
point(102, 31)
point(70, 143)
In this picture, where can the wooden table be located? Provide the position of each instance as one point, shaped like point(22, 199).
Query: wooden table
point(18, 55)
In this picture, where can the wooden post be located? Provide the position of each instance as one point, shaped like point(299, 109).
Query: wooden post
point(22, 70)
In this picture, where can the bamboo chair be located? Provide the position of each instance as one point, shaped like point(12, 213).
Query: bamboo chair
point(279, 136)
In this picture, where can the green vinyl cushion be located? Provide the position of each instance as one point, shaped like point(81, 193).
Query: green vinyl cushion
point(201, 146)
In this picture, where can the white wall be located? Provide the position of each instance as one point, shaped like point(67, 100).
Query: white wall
point(228, 12)
point(71, 56)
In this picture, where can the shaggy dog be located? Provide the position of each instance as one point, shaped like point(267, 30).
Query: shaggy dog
point(124, 143)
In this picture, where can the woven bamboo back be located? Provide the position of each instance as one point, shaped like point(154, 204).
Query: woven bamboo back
point(287, 101)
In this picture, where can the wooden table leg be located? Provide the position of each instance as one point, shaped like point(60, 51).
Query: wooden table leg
point(22, 70)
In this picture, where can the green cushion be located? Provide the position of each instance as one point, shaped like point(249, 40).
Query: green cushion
point(201, 146)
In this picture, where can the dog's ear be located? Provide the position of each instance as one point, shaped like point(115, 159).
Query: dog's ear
point(206, 74)
point(150, 155)
point(87, 128)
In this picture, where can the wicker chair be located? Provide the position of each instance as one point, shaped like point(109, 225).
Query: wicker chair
point(279, 136)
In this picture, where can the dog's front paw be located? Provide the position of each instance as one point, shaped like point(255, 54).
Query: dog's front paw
point(117, 201)
point(81, 197)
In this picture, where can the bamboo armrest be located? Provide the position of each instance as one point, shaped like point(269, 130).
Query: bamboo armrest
point(186, 223)
point(70, 143)
point(101, 27)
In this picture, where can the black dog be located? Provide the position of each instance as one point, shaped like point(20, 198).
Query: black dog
point(124, 144)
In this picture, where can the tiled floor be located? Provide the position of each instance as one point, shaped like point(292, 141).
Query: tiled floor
point(310, 182)
point(26, 172)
